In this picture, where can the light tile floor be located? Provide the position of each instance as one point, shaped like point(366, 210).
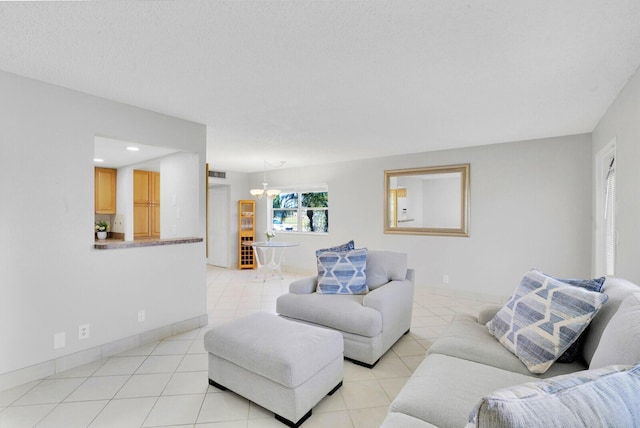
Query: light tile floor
point(165, 384)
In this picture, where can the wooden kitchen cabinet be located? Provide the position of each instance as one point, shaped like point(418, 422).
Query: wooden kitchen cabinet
point(105, 183)
point(146, 204)
point(141, 187)
point(154, 188)
point(155, 220)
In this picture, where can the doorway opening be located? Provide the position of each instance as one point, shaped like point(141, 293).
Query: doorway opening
point(219, 214)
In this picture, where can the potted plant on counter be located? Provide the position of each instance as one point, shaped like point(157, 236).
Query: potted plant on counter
point(102, 227)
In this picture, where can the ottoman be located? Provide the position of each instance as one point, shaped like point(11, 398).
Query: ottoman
point(283, 366)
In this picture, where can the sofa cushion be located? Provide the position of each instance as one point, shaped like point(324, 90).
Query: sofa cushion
point(340, 312)
point(342, 272)
point(385, 266)
point(443, 389)
point(617, 289)
point(603, 397)
point(465, 338)
point(400, 420)
point(543, 318)
point(620, 342)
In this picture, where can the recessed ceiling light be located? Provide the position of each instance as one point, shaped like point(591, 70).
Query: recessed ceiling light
point(133, 149)
point(98, 160)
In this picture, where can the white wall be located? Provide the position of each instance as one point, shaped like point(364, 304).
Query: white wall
point(530, 207)
point(124, 199)
point(622, 122)
point(51, 278)
point(179, 193)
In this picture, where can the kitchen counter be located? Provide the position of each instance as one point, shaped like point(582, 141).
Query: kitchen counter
point(113, 244)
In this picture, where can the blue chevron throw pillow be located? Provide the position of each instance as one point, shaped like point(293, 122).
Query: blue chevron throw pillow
point(543, 318)
point(342, 272)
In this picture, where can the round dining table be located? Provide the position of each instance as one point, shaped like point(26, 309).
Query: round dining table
point(269, 255)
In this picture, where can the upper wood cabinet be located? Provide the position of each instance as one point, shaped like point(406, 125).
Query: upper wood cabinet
point(141, 180)
point(146, 204)
point(154, 188)
point(105, 184)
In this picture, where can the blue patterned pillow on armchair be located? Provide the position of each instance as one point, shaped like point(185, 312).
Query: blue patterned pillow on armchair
point(342, 272)
point(347, 246)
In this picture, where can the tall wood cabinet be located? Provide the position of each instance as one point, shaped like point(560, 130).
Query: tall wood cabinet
point(105, 190)
point(246, 233)
point(146, 204)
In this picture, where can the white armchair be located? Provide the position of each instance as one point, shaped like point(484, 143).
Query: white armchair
point(371, 323)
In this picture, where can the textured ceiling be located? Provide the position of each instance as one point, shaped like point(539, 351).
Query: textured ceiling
point(311, 82)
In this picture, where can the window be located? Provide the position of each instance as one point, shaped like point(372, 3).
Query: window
point(610, 216)
point(606, 232)
point(303, 210)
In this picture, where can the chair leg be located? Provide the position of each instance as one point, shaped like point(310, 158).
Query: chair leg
point(360, 363)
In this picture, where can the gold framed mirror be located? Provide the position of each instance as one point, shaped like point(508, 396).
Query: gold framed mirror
point(427, 201)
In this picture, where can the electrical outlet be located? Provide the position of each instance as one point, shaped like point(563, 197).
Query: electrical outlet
point(141, 315)
point(83, 331)
point(59, 340)
point(118, 224)
point(445, 278)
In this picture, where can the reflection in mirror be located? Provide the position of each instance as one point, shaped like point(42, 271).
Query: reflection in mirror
point(427, 201)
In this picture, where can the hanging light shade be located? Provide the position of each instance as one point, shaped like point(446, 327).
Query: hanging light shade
point(264, 192)
point(258, 193)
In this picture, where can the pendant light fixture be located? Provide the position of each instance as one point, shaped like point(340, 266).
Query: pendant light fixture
point(266, 192)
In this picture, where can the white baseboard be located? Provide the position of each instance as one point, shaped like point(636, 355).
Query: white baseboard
point(462, 294)
point(51, 367)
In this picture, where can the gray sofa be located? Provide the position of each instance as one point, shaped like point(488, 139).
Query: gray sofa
point(371, 323)
point(468, 369)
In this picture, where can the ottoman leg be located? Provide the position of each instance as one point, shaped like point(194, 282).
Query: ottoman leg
point(288, 423)
point(217, 385)
point(305, 417)
point(337, 387)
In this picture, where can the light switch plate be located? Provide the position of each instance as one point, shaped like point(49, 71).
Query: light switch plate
point(59, 340)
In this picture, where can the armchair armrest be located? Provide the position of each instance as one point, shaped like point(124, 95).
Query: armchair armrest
point(487, 313)
point(394, 301)
point(304, 285)
point(390, 294)
point(411, 275)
